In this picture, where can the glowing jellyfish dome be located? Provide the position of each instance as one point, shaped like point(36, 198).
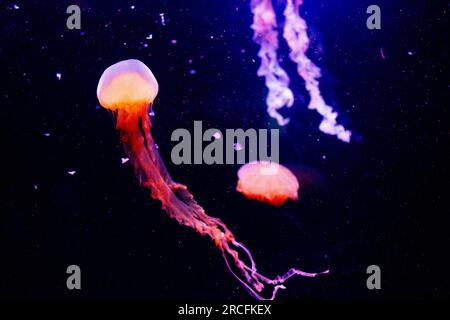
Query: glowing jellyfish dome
point(267, 182)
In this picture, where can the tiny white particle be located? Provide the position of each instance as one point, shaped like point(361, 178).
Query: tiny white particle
point(237, 146)
point(46, 134)
point(58, 76)
point(15, 6)
point(132, 7)
point(124, 160)
point(217, 135)
point(71, 172)
point(149, 37)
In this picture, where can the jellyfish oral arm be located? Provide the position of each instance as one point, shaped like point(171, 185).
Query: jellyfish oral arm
point(277, 80)
point(296, 36)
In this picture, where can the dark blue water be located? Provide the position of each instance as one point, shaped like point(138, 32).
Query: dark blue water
point(379, 200)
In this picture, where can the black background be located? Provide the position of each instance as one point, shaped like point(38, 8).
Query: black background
point(378, 200)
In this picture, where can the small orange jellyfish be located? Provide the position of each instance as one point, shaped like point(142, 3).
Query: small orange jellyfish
point(128, 88)
point(267, 182)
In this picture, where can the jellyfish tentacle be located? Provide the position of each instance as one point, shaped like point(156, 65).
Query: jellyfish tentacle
point(180, 204)
point(255, 281)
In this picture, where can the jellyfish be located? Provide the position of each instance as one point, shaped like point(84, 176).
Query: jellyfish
point(276, 79)
point(267, 182)
point(128, 89)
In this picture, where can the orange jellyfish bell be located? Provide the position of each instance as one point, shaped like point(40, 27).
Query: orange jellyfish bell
point(128, 85)
point(267, 182)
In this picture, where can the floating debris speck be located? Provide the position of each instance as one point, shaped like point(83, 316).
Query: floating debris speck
point(382, 54)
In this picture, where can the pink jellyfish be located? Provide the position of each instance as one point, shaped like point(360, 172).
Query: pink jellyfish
point(277, 81)
point(267, 182)
point(128, 88)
